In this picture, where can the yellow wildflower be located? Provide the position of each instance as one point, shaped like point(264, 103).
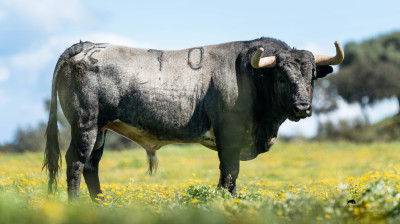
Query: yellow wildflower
point(25, 181)
point(236, 200)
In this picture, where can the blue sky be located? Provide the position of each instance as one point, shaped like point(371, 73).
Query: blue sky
point(34, 33)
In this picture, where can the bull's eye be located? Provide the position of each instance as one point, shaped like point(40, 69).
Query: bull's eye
point(312, 80)
point(314, 77)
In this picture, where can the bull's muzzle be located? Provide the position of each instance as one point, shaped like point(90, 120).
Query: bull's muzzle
point(302, 109)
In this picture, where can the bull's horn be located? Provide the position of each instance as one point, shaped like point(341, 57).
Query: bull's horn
point(331, 60)
point(266, 62)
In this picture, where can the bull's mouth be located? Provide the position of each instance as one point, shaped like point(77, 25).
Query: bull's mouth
point(295, 119)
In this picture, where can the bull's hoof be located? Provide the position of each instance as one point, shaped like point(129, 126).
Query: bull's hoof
point(232, 191)
point(98, 198)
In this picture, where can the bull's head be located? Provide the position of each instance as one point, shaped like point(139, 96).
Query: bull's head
point(294, 75)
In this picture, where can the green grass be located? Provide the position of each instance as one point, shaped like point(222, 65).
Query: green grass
point(301, 183)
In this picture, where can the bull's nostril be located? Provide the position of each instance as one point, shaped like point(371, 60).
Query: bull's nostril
point(305, 106)
point(302, 109)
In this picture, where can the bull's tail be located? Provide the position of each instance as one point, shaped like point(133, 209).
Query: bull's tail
point(152, 161)
point(52, 154)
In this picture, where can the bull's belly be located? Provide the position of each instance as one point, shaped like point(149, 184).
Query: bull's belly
point(150, 142)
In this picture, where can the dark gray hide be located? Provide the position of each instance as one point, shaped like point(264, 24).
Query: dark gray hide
point(209, 95)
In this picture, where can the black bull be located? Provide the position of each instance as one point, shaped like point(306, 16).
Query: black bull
point(221, 96)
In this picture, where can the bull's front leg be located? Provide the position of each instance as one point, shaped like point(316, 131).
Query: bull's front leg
point(228, 139)
point(229, 168)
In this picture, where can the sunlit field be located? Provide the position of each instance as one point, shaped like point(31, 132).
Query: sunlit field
point(304, 182)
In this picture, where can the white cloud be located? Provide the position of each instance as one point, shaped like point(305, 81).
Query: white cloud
point(49, 14)
point(4, 74)
point(115, 39)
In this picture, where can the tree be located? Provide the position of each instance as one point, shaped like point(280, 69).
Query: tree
point(325, 99)
point(370, 71)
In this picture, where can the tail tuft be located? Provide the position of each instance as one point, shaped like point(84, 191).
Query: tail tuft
point(52, 154)
point(153, 162)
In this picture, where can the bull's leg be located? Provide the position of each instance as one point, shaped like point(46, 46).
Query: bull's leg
point(229, 168)
point(91, 168)
point(82, 143)
point(228, 152)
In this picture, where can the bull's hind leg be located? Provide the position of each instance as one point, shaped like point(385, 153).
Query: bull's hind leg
point(82, 143)
point(91, 168)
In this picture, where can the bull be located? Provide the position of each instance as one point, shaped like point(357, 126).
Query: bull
point(229, 97)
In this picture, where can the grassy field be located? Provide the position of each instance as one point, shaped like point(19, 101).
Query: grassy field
point(301, 183)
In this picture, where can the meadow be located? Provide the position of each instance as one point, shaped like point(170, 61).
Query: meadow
point(293, 182)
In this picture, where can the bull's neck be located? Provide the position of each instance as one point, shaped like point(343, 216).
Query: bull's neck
point(272, 113)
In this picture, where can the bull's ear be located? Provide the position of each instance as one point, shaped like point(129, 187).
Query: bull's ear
point(323, 70)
